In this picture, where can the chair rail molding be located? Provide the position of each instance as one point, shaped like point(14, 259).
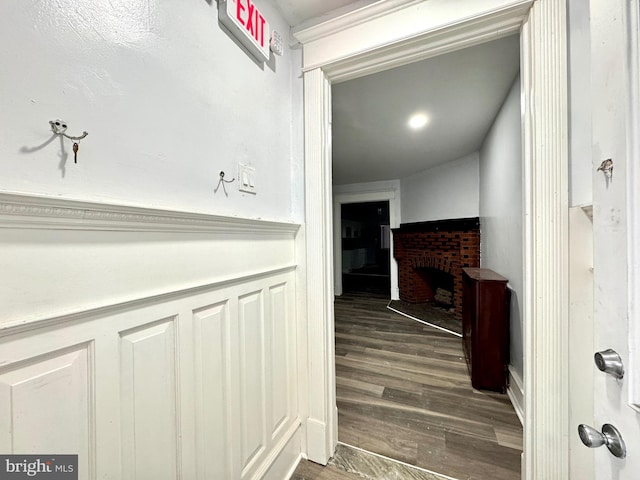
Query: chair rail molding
point(29, 211)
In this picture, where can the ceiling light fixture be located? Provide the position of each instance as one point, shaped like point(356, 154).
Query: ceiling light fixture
point(418, 121)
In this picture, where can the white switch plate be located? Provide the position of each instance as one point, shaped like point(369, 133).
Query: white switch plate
point(246, 178)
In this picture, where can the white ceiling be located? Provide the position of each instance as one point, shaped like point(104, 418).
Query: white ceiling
point(461, 92)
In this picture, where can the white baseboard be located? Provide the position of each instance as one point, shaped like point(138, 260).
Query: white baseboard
point(317, 447)
point(293, 468)
point(516, 394)
point(285, 458)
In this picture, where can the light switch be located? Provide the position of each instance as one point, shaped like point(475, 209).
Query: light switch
point(247, 178)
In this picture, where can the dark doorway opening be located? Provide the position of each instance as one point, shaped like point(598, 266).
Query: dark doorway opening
point(365, 247)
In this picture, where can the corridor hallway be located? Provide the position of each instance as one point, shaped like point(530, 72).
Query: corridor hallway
point(403, 391)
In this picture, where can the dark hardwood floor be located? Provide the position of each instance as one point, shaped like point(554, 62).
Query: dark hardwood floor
point(403, 391)
point(430, 313)
point(352, 463)
point(312, 471)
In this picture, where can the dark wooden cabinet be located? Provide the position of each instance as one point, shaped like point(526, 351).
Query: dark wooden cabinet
point(485, 327)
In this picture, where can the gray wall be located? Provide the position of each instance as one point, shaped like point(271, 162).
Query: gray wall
point(501, 210)
point(168, 98)
point(442, 192)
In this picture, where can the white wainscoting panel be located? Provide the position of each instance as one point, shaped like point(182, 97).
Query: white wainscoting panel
point(212, 382)
point(253, 428)
point(148, 391)
point(46, 405)
point(197, 381)
point(280, 360)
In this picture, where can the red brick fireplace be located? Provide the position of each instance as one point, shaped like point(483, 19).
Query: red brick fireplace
point(429, 252)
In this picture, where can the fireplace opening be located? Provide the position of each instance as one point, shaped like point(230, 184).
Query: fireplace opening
point(431, 256)
point(438, 286)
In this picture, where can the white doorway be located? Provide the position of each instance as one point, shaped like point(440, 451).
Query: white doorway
point(365, 237)
point(463, 166)
point(378, 192)
point(352, 47)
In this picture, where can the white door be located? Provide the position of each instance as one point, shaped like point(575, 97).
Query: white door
point(614, 29)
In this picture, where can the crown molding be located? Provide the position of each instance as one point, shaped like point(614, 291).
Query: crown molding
point(39, 212)
point(468, 32)
point(350, 19)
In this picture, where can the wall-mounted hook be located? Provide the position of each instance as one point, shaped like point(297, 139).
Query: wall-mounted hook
point(59, 127)
point(222, 181)
point(606, 167)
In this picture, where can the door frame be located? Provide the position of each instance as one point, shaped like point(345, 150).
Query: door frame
point(343, 197)
point(396, 32)
point(632, 14)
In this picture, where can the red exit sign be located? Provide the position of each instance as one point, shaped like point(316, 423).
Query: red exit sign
point(246, 22)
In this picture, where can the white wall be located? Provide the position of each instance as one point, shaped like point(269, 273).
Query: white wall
point(168, 98)
point(443, 192)
point(579, 68)
point(501, 234)
point(135, 331)
point(581, 291)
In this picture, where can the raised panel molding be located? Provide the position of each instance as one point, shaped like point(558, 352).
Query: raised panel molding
point(149, 423)
point(212, 383)
point(196, 384)
point(47, 406)
point(279, 368)
point(209, 388)
point(252, 377)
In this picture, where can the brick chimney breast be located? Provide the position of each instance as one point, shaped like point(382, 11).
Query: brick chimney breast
point(444, 246)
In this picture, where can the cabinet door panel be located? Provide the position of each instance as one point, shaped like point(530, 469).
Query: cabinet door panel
point(485, 328)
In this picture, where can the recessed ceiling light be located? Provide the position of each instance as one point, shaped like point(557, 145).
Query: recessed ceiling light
point(418, 120)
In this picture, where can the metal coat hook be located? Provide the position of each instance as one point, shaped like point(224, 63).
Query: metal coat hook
point(222, 181)
point(606, 167)
point(59, 127)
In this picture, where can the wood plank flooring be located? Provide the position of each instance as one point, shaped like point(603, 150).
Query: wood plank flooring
point(352, 463)
point(403, 391)
point(430, 313)
point(312, 471)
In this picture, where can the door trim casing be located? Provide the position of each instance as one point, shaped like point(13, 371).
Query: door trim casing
point(633, 208)
point(391, 195)
point(543, 28)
